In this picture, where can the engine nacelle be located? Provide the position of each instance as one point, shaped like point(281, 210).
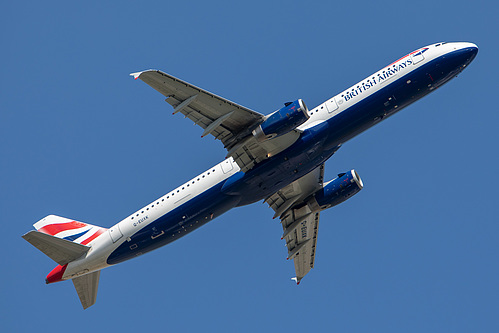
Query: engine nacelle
point(337, 190)
point(282, 121)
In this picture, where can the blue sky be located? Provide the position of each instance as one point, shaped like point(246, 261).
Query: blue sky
point(416, 250)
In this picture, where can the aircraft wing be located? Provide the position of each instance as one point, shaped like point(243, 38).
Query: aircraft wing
point(299, 223)
point(227, 121)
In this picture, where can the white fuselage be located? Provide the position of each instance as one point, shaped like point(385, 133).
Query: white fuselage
point(105, 244)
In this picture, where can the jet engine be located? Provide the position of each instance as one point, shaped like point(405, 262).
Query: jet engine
point(282, 121)
point(336, 191)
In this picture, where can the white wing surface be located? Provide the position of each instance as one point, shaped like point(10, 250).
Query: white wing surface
point(299, 223)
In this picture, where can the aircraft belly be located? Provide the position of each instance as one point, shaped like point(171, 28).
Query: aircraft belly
point(175, 224)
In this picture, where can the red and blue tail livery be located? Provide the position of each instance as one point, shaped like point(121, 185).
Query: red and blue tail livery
point(74, 231)
point(278, 158)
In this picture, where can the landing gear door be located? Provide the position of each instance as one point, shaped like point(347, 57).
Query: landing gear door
point(115, 233)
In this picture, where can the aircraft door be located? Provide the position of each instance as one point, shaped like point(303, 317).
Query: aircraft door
point(227, 165)
point(115, 233)
point(417, 57)
point(331, 105)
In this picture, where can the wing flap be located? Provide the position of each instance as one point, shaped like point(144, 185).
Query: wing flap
point(250, 152)
point(297, 190)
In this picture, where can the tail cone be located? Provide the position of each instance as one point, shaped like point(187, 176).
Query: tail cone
point(56, 274)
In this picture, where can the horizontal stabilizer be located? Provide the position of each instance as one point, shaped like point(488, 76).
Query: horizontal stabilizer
point(86, 287)
point(59, 250)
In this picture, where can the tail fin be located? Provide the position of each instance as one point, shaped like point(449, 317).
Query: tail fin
point(70, 230)
point(86, 287)
point(64, 241)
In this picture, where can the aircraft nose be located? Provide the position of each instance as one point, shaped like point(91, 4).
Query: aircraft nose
point(465, 53)
point(471, 51)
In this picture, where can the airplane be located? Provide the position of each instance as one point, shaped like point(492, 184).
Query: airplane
point(278, 158)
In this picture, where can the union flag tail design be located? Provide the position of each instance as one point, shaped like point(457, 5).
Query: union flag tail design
point(71, 230)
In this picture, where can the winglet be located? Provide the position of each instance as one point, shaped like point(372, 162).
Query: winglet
point(296, 280)
point(136, 75)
